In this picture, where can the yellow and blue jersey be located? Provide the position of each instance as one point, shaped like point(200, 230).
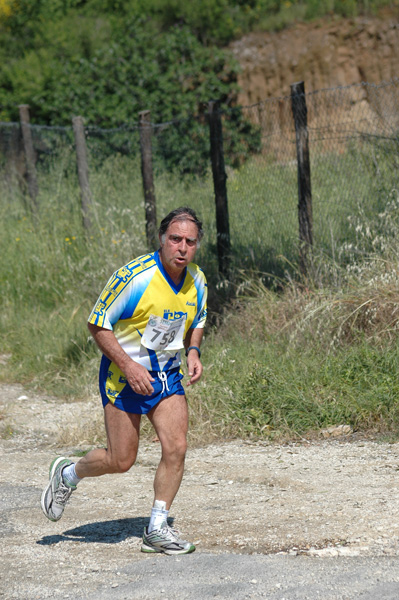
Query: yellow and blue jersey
point(142, 291)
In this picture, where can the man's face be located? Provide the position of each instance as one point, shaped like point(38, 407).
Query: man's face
point(179, 246)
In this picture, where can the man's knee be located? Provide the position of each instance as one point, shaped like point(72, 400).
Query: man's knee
point(119, 464)
point(176, 450)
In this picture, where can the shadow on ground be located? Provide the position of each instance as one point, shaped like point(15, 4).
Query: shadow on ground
point(103, 532)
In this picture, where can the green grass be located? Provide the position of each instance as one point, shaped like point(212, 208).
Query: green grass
point(278, 364)
point(269, 390)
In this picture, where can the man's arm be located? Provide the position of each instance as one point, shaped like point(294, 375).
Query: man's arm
point(137, 376)
point(195, 368)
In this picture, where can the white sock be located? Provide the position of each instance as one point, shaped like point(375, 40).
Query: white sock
point(159, 515)
point(69, 476)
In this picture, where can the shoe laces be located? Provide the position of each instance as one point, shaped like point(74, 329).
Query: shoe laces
point(171, 531)
point(62, 493)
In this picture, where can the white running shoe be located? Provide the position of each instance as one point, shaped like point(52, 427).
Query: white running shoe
point(57, 493)
point(167, 540)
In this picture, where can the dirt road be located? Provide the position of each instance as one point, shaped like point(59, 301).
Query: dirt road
point(333, 498)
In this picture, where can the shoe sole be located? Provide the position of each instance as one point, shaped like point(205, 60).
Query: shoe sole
point(153, 549)
point(53, 467)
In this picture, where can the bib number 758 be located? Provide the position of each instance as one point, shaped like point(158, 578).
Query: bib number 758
point(164, 334)
point(167, 338)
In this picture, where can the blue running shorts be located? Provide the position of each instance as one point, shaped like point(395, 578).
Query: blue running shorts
point(114, 388)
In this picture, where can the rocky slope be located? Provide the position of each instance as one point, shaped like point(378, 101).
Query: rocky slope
point(324, 54)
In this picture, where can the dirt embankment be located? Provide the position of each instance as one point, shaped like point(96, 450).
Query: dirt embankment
point(324, 54)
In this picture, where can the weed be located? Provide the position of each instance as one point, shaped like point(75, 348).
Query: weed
point(6, 431)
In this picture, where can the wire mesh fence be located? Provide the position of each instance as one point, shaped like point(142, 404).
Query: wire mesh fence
point(353, 135)
point(354, 158)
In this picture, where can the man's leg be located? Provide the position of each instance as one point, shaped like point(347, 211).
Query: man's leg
point(170, 421)
point(123, 430)
point(122, 444)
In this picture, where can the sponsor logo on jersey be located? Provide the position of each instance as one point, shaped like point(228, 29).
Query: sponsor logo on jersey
point(202, 314)
point(112, 393)
point(123, 274)
point(111, 290)
point(173, 315)
point(99, 310)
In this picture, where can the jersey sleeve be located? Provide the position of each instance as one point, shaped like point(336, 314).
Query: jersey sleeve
point(202, 298)
point(123, 291)
point(111, 302)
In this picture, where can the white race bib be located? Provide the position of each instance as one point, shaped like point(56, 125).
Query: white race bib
point(164, 334)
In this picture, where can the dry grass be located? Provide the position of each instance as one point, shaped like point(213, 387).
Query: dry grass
point(365, 304)
point(367, 307)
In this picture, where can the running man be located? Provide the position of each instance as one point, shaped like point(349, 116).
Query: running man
point(149, 311)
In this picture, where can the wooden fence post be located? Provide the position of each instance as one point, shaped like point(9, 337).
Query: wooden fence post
point(305, 216)
point(219, 185)
point(83, 170)
point(30, 157)
point(148, 179)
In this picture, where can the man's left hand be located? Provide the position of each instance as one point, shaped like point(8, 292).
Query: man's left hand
point(195, 367)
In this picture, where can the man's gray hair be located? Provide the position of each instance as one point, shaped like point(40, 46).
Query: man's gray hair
point(184, 213)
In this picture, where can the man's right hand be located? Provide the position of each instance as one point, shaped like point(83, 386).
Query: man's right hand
point(138, 378)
